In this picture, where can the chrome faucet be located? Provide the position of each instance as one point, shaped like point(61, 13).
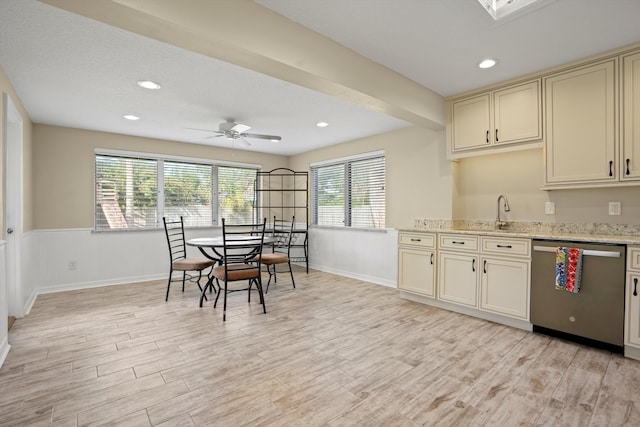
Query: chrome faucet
point(501, 224)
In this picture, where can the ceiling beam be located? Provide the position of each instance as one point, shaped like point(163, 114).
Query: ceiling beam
point(244, 33)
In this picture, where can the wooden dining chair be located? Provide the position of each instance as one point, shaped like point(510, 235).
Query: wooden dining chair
point(174, 230)
point(242, 250)
point(280, 253)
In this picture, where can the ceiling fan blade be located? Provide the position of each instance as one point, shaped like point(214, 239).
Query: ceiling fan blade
point(207, 130)
point(259, 136)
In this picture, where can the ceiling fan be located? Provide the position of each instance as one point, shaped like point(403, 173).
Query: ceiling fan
point(238, 131)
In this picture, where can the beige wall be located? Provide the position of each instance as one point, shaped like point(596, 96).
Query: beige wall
point(64, 166)
point(27, 218)
point(419, 177)
point(519, 175)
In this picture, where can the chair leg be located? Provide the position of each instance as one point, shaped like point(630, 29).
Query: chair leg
point(169, 284)
point(224, 308)
point(259, 286)
point(270, 274)
point(293, 282)
point(184, 278)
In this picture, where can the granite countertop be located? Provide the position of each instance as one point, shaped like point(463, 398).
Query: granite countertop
point(596, 233)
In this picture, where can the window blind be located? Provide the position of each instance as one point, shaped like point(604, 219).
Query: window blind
point(135, 192)
point(126, 193)
point(187, 192)
point(349, 193)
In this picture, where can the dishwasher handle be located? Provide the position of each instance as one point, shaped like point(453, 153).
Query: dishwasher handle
point(588, 252)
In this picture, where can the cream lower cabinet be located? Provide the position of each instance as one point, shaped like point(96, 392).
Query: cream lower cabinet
point(416, 263)
point(505, 276)
point(632, 309)
point(489, 273)
point(458, 262)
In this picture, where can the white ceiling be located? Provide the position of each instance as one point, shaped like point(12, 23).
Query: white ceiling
point(72, 71)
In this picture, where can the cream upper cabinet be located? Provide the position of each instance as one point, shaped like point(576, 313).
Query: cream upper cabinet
point(498, 118)
point(580, 123)
point(517, 113)
point(416, 263)
point(630, 136)
point(471, 123)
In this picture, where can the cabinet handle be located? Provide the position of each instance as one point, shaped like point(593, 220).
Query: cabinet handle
point(487, 137)
point(473, 265)
point(504, 246)
point(484, 266)
point(457, 243)
point(416, 240)
point(628, 172)
point(610, 167)
point(496, 135)
point(635, 286)
point(431, 259)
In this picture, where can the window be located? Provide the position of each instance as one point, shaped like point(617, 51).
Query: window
point(135, 193)
point(349, 192)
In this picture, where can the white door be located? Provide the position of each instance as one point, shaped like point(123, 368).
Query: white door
point(12, 231)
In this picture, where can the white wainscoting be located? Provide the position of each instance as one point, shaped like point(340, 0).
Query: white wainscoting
point(80, 258)
point(369, 255)
point(4, 305)
point(109, 258)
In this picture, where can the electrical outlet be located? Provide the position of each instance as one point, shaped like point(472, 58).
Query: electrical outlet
point(615, 208)
point(549, 208)
point(73, 265)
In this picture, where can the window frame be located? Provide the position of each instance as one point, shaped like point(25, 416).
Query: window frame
point(346, 162)
point(160, 199)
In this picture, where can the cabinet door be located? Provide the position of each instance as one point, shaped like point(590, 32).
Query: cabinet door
point(632, 312)
point(630, 156)
point(505, 287)
point(416, 272)
point(580, 125)
point(517, 114)
point(471, 123)
point(458, 278)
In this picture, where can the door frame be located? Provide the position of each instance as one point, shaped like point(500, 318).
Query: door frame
point(13, 204)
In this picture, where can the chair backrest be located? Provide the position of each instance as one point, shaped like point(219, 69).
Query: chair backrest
point(283, 233)
point(175, 239)
point(243, 242)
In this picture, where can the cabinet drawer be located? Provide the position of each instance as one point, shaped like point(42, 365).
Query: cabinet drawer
point(633, 258)
point(459, 242)
point(417, 239)
point(506, 245)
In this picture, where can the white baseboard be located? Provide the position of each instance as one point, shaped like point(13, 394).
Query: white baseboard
point(496, 318)
point(4, 350)
point(364, 278)
point(100, 283)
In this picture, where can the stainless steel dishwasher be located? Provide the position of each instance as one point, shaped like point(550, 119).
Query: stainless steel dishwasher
point(594, 315)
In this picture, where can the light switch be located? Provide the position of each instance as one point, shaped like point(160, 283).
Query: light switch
point(550, 208)
point(614, 208)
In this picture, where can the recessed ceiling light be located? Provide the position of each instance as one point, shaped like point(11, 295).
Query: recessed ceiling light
point(148, 84)
point(322, 124)
point(131, 117)
point(487, 63)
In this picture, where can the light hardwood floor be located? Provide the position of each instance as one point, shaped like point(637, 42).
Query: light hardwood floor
point(335, 351)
